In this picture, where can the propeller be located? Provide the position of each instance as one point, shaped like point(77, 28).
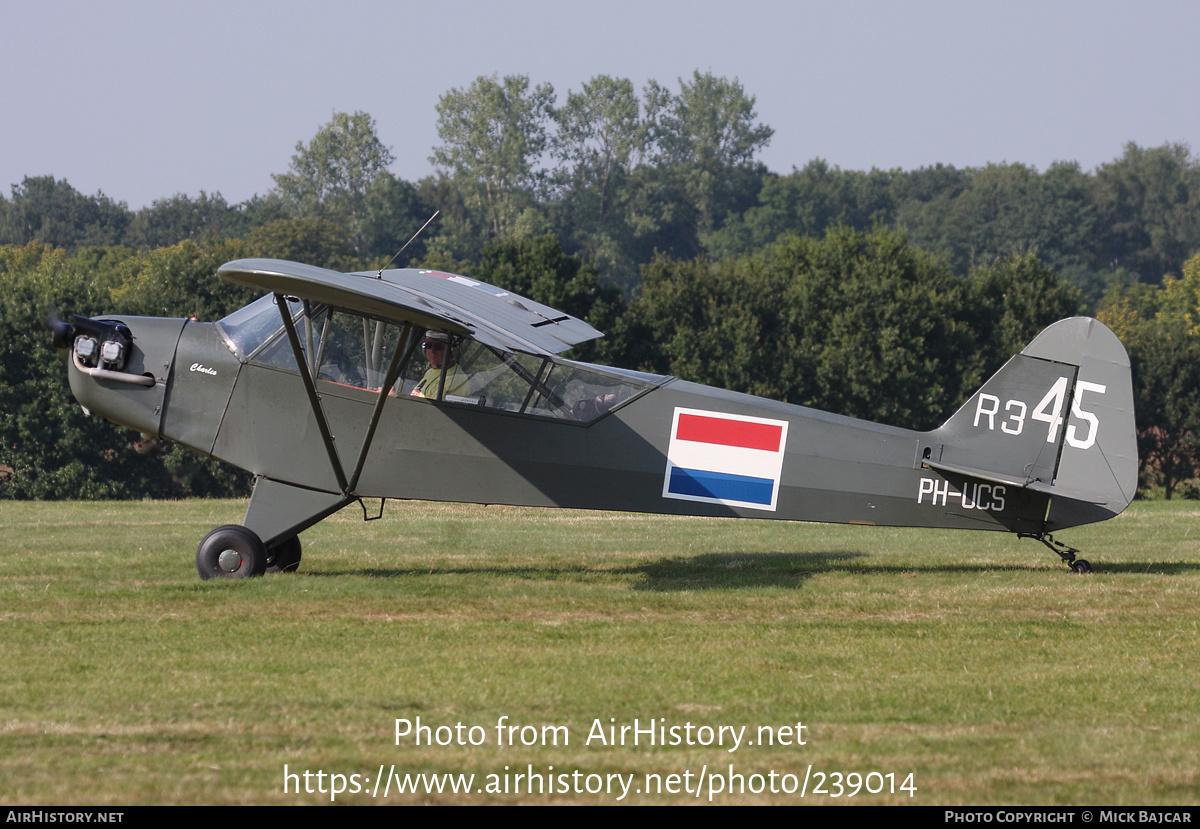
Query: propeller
point(61, 333)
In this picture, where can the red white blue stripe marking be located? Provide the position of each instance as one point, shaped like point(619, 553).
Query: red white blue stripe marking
point(718, 458)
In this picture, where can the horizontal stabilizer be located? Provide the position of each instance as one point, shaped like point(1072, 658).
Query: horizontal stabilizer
point(992, 477)
point(981, 474)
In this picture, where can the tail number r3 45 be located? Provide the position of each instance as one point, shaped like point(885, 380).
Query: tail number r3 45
point(1012, 417)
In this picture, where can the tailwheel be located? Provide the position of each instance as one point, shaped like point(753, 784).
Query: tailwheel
point(1064, 551)
point(231, 552)
point(284, 557)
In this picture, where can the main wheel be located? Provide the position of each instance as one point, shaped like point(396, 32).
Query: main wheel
point(1081, 566)
point(231, 552)
point(284, 557)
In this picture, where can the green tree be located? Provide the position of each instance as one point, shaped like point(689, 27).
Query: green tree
point(599, 133)
point(312, 241)
point(1166, 365)
point(537, 268)
point(1148, 205)
point(330, 178)
point(395, 210)
point(1008, 302)
point(50, 448)
point(858, 323)
point(1002, 209)
point(255, 211)
point(1160, 327)
point(709, 322)
point(598, 139)
point(493, 136)
point(453, 236)
point(48, 210)
point(661, 218)
point(181, 281)
point(708, 135)
point(874, 327)
point(169, 221)
point(807, 202)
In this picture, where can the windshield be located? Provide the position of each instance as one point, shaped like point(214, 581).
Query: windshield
point(248, 328)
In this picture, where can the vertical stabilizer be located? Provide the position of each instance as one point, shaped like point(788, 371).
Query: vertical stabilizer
point(1056, 419)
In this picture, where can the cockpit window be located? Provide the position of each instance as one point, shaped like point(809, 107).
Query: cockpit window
point(480, 375)
point(338, 346)
point(354, 350)
point(348, 349)
point(581, 392)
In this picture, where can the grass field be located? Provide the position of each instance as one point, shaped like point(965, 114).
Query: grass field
point(975, 662)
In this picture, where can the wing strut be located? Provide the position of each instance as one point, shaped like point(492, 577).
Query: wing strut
point(410, 339)
point(311, 389)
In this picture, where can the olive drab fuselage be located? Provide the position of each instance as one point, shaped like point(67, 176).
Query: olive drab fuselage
point(310, 389)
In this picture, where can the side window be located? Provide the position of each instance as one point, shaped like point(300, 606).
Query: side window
point(278, 350)
point(338, 347)
point(480, 375)
point(350, 350)
point(355, 351)
point(500, 379)
point(577, 392)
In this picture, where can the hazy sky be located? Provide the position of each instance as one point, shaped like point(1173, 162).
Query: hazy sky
point(147, 99)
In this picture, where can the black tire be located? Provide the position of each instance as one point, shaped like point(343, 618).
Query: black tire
point(284, 557)
point(231, 552)
point(1081, 566)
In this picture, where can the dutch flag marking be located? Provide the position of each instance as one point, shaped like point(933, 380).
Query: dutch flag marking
point(719, 458)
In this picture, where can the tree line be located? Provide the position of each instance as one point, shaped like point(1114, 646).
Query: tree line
point(888, 295)
point(620, 177)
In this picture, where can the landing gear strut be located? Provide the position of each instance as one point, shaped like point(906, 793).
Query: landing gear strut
point(1064, 551)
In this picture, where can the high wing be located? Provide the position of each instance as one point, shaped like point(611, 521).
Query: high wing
point(429, 299)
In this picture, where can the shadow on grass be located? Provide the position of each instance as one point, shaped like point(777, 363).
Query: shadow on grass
point(737, 571)
point(1150, 568)
point(712, 571)
point(744, 571)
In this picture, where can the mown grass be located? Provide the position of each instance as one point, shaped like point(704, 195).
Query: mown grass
point(974, 661)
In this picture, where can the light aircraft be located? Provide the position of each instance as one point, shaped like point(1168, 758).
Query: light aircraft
point(417, 384)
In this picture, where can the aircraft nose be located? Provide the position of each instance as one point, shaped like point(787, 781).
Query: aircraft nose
point(118, 367)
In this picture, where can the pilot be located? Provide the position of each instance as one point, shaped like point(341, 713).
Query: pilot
point(439, 351)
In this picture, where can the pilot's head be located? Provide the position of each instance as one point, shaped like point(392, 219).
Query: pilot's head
point(436, 345)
